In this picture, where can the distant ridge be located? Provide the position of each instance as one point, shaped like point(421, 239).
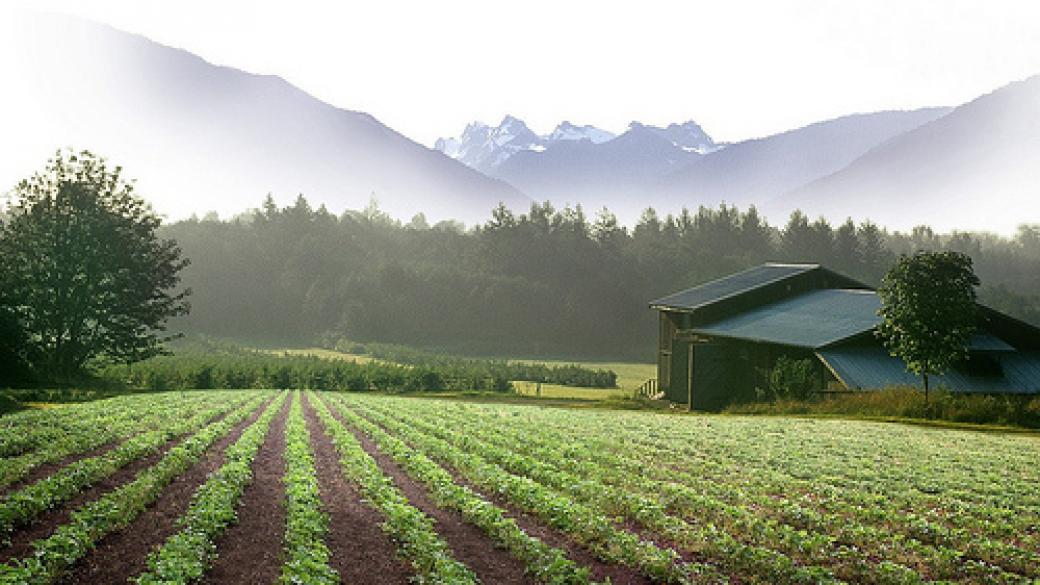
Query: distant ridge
point(977, 167)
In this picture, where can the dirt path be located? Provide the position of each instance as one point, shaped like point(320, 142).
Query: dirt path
point(468, 543)
point(251, 550)
point(532, 525)
point(361, 552)
point(44, 524)
point(124, 554)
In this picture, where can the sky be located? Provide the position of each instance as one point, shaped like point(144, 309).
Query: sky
point(741, 69)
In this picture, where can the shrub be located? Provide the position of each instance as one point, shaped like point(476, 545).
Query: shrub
point(790, 379)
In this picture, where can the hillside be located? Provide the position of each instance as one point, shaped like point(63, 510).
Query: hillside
point(755, 171)
point(977, 167)
point(202, 137)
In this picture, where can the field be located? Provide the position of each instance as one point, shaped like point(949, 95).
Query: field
point(261, 486)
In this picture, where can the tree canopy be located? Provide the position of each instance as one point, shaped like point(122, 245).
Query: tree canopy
point(929, 310)
point(83, 272)
point(545, 281)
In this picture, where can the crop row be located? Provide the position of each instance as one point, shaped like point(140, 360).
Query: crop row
point(54, 434)
point(974, 473)
point(546, 563)
point(117, 508)
point(750, 562)
point(417, 539)
point(853, 550)
point(25, 504)
point(935, 519)
point(307, 556)
point(186, 555)
point(593, 529)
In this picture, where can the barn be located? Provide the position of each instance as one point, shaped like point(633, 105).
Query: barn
point(718, 341)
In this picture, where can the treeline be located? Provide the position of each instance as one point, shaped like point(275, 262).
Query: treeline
point(547, 282)
point(202, 364)
point(257, 370)
point(565, 374)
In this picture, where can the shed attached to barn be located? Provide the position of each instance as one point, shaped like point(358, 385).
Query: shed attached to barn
point(718, 341)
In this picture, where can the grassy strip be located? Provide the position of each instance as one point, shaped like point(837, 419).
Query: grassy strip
point(25, 504)
point(416, 538)
point(546, 563)
point(588, 527)
point(116, 509)
point(307, 556)
point(186, 555)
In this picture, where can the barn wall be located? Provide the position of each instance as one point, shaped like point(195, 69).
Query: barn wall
point(727, 371)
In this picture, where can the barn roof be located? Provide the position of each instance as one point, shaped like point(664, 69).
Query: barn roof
point(811, 320)
point(872, 367)
point(731, 286)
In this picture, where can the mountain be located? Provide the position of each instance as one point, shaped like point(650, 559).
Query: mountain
point(568, 131)
point(688, 136)
point(579, 164)
point(756, 171)
point(614, 173)
point(202, 137)
point(976, 168)
point(485, 148)
point(680, 164)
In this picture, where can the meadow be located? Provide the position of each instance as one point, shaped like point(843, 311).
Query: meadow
point(265, 486)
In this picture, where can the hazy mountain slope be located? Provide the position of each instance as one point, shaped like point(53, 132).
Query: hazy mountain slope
point(976, 168)
point(755, 171)
point(201, 137)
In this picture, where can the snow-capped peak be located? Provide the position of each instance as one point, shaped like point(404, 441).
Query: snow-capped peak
point(485, 147)
point(568, 131)
point(688, 136)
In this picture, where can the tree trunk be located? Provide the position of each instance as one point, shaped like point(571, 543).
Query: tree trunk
point(927, 406)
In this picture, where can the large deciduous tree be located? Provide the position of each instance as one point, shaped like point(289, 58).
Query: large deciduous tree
point(83, 270)
point(928, 311)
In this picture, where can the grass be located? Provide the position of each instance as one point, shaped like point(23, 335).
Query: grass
point(908, 405)
point(630, 374)
point(328, 354)
point(574, 392)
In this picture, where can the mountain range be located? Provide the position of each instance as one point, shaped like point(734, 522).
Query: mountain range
point(203, 137)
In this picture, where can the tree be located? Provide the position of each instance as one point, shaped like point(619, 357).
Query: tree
point(928, 311)
point(83, 270)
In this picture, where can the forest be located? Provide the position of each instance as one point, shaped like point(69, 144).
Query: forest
point(544, 282)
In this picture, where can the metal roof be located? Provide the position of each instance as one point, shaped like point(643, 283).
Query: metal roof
point(873, 367)
point(730, 286)
point(812, 320)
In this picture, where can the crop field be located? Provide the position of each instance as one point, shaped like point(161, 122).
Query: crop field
point(257, 486)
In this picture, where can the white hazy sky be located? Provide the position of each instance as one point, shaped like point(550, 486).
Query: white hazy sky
point(740, 68)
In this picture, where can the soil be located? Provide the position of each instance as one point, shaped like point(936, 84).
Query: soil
point(46, 523)
point(124, 554)
point(532, 525)
point(251, 550)
point(362, 552)
point(468, 543)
